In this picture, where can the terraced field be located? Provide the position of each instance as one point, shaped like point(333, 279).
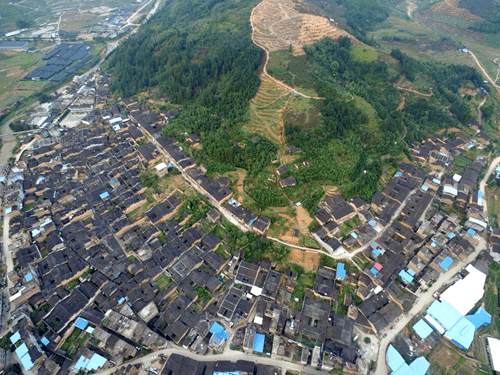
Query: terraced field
point(451, 8)
point(278, 25)
point(266, 111)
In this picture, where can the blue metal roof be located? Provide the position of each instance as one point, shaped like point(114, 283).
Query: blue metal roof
point(425, 187)
point(372, 223)
point(28, 277)
point(82, 363)
point(341, 271)
point(451, 236)
point(462, 333)
point(394, 359)
point(219, 330)
point(406, 276)
point(258, 343)
point(419, 366)
point(444, 313)
point(15, 337)
point(91, 364)
point(480, 318)
point(104, 195)
point(217, 338)
point(45, 341)
point(471, 231)
point(376, 252)
point(354, 235)
point(94, 362)
point(446, 263)
point(81, 323)
point(21, 350)
point(399, 367)
point(27, 362)
point(411, 272)
point(422, 329)
point(374, 270)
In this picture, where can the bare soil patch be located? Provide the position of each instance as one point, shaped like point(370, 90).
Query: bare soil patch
point(288, 158)
point(444, 357)
point(278, 25)
point(238, 178)
point(309, 260)
point(450, 7)
point(402, 104)
point(304, 220)
point(289, 237)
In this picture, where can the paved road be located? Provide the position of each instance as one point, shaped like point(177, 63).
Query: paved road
point(7, 256)
point(424, 299)
point(232, 356)
point(482, 184)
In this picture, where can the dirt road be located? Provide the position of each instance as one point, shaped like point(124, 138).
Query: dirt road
point(267, 60)
point(484, 71)
point(415, 91)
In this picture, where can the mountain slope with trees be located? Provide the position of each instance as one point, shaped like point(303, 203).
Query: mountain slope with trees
point(199, 54)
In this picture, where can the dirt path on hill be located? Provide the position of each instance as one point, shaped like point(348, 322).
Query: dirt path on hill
point(478, 63)
point(415, 91)
point(264, 71)
point(479, 113)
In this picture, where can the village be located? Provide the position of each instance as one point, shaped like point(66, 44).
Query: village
point(119, 257)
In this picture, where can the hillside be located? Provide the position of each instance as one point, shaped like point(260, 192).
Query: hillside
point(337, 114)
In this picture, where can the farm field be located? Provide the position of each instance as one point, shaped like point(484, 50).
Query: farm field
point(266, 111)
point(437, 31)
point(14, 65)
point(34, 13)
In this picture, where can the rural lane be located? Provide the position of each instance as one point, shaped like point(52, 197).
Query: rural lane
point(484, 70)
point(425, 298)
point(227, 356)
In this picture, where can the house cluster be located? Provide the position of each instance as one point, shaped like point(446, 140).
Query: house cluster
point(284, 173)
point(416, 228)
point(179, 364)
point(142, 124)
point(439, 152)
point(106, 268)
point(71, 107)
point(455, 316)
point(275, 323)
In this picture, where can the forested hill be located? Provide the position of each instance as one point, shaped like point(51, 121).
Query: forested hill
point(193, 49)
point(199, 54)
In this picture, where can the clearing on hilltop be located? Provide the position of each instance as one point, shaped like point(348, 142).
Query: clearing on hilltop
point(284, 24)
